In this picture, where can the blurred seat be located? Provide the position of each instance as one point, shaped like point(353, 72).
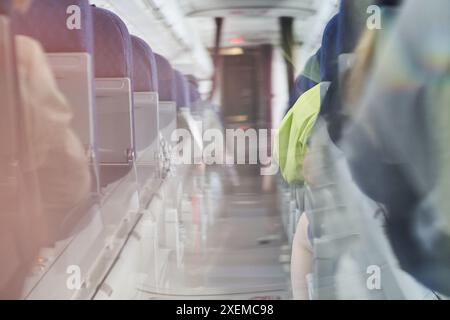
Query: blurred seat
point(166, 80)
point(145, 88)
point(194, 95)
point(39, 206)
point(145, 93)
point(184, 105)
point(113, 73)
point(167, 96)
point(69, 49)
point(195, 98)
point(5, 7)
point(182, 91)
point(145, 67)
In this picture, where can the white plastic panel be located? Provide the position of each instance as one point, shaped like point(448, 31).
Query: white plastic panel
point(195, 128)
point(140, 260)
point(114, 120)
point(146, 111)
point(52, 280)
point(167, 118)
point(91, 251)
point(73, 72)
point(146, 119)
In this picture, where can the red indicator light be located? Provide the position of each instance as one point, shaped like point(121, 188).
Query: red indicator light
point(237, 41)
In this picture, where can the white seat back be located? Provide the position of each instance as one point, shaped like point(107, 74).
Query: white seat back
point(74, 75)
point(167, 119)
point(114, 121)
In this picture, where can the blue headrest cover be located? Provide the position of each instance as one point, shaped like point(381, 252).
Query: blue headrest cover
point(145, 77)
point(112, 43)
point(329, 53)
point(5, 7)
point(48, 22)
point(352, 19)
point(194, 95)
point(304, 83)
point(182, 98)
point(166, 80)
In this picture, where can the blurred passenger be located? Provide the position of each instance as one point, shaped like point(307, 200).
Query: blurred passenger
point(53, 154)
point(397, 145)
point(302, 254)
point(295, 129)
point(340, 37)
point(344, 93)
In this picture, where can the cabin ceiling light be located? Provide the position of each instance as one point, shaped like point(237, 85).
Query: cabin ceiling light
point(231, 51)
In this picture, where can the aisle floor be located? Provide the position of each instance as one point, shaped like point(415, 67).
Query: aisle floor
point(234, 243)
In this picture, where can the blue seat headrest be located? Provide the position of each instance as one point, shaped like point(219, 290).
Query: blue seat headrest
point(47, 21)
point(329, 52)
point(194, 95)
point(352, 19)
point(302, 84)
point(192, 80)
point(112, 46)
point(307, 79)
point(166, 79)
point(344, 31)
point(389, 3)
point(195, 98)
point(5, 7)
point(145, 77)
point(183, 97)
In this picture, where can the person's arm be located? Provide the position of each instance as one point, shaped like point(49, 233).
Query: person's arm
point(301, 260)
